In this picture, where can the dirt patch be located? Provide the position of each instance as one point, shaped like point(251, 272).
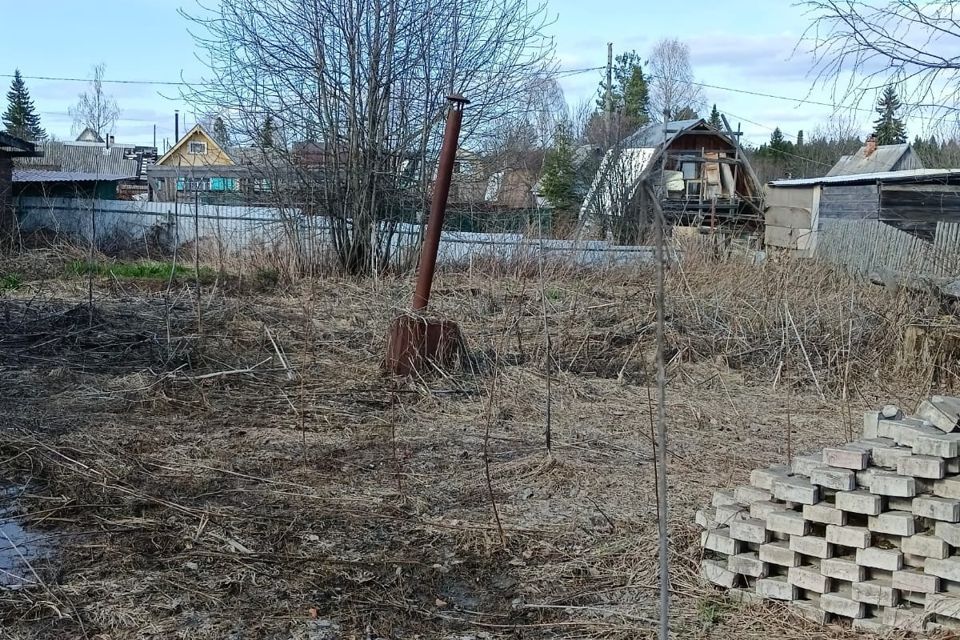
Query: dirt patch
point(247, 471)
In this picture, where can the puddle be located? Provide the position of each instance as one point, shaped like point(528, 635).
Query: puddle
point(20, 548)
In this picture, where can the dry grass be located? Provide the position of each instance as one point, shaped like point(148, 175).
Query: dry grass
point(264, 479)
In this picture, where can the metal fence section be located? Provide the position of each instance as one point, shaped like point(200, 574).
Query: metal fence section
point(117, 224)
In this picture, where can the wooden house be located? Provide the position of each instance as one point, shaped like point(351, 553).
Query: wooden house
point(195, 166)
point(700, 175)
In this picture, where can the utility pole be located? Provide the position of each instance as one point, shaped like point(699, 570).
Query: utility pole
point(608, 94)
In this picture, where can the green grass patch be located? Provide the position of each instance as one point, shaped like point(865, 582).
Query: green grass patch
point(10, 282)
point(139, 270)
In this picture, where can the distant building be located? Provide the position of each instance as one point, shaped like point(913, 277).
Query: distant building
point(11, 147)
point(82, 168)
point(195, 167)
point(871, 158)
point(89, 135)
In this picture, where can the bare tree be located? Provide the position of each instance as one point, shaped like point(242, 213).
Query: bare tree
point(95, 109)
point(861, 47)
point(366, 79)
point(671, 80)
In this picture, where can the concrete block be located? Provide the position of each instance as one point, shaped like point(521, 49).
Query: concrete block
point(842, 606)
point(948, 532)
point(855, 537)
point(944, 445)
point(876, 592)
point(941, 604)
point(718, 574)
point(824, 514)
point(925, 545)
point(812, 546)
point(899, 504)
point(719, 540)
point(846, 457)
point(745, 596)
point(946, 568)
point(908, 598)
point(791, 522)
point(776, 588)
point(801, 465)
point(810, 611)
point(915, 581)
point(845, 569)
point(748, 564)
point(935, 508)
point(893, 484)
point(887, 457)
point(763, 508)
point(764, 478)
point(727, 513)
point(921, 466)
point(723, 497)
point(869, 625)
point(896, 523)
point(859, 501)
point(905, 619)
point(871, 421)
point(943, 412)
point(748, 495)
point(808, 578)
point(706, 518)
point(779, 553)
point(876, 558)
point(797, 490)
point(947, 488)
point(751, 530)
point(905, 431)
point(912, 560)
point(864, 477)
point(834, 478)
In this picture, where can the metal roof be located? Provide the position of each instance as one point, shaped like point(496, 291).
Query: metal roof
point(58, 156)
point(884, 158)
point(14, 146)
point(879, 176)
point(653, 135)
point(42, 175)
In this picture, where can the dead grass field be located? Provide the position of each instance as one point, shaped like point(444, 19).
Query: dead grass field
point(253, 474)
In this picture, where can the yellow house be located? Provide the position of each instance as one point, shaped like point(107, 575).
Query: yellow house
point(196, 149)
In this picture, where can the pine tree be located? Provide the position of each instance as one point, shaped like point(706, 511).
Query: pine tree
point(266, 133)
point(685, 113)
point(800, 138)
point(778, 143)
point(558, 184)
point(220, 133)
point(715, 120)
point(20, 119)
point(888, 128)
point(629, 93)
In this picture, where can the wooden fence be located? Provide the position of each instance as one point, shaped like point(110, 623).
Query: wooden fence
point(869, 246)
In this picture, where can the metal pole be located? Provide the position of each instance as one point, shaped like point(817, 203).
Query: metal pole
point(662, 503)
point(441, 190)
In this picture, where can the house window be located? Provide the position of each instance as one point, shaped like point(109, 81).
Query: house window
point(198, 148)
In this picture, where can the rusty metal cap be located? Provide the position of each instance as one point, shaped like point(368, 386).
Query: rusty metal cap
point(456, 97)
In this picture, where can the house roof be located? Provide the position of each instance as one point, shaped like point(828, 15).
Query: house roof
point(655, 134)
point(911, 175)
point(884, 158)
point(89, 135)
point(197, 129)
point(68, 156)
point(14, 146)
point(42, 175)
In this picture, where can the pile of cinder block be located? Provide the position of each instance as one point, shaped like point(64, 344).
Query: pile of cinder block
point(868, 531)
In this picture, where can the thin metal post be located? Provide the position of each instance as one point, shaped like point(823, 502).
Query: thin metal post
point(662, 503)
point(441, 190)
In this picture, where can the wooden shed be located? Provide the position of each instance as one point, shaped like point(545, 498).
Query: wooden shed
point(912, 201)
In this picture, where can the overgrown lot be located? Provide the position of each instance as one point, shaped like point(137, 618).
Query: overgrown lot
point(232, 463)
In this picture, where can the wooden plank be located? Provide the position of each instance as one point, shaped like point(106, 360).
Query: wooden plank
point(795, 217)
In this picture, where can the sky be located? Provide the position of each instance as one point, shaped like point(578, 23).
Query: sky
point(744, 45)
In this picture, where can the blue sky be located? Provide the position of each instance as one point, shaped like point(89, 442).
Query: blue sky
point(737, 43)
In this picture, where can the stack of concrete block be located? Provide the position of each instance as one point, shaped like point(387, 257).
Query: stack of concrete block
point(868, 531)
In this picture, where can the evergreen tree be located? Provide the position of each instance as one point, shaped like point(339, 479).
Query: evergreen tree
point(685, 113)
point(629, 93)
point(266, 133)
point(715, 121)
point(888, 128)
point(558, 184)
point(220, 133)
point(20, 119)
point(800, 138)
point(778, 145)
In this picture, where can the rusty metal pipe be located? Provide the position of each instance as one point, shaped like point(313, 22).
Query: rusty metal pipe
point(438, 206)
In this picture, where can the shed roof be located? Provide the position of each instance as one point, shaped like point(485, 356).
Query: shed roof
point(42, 175)
point(655, 134)
point(14, 146)
point(884, 158)
point(60, 156)
point(910, 175)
